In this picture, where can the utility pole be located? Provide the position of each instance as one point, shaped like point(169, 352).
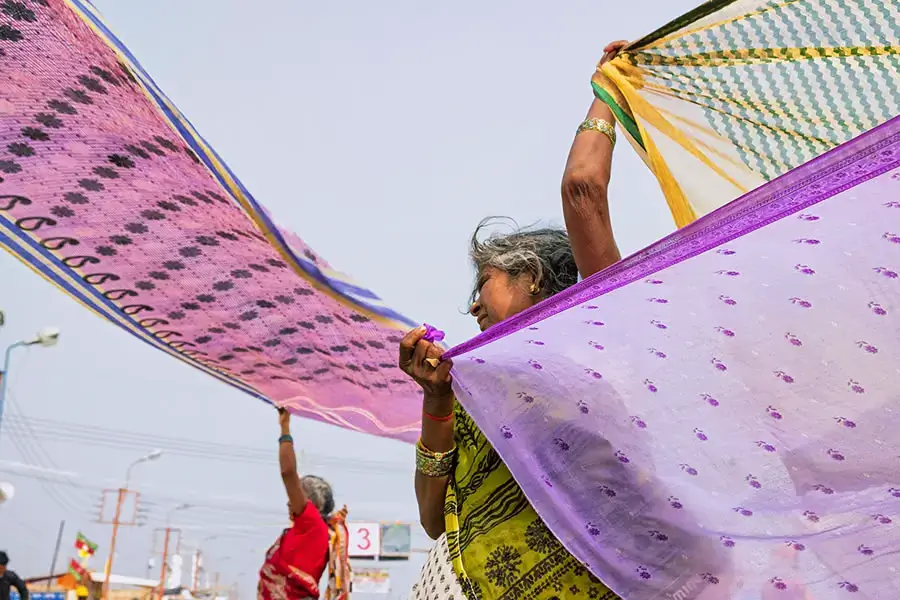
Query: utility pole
point(168, 531)
point(196, 578)
point(122, 494)
point(62, 526)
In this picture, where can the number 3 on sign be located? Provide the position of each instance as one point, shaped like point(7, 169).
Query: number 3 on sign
point(365, 542)
point(365, 539)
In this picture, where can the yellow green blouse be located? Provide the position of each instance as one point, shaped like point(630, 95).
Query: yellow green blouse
point(500, 548)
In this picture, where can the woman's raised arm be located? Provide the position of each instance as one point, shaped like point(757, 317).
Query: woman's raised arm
point(584, 187)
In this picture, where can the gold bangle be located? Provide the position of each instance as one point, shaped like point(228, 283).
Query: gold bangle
point(599, 125)
point(434, 464)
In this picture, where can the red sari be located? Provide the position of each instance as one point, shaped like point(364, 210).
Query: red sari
point(295, 562)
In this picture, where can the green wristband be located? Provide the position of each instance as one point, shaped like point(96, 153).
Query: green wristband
point(286, 439)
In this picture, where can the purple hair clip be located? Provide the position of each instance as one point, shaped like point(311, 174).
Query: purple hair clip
point(432, 334)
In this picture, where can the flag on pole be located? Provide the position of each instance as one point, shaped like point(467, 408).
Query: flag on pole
point(85, 547)
point(77, 571)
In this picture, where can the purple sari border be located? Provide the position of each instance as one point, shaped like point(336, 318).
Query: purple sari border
point(777, 199)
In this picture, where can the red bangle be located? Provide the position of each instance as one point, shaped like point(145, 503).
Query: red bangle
point(443, 419)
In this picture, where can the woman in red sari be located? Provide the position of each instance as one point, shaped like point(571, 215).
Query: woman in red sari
point(295, 562)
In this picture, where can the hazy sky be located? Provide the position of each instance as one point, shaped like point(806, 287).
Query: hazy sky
point(373, 130)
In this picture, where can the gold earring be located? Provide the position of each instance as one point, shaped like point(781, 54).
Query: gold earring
point(535, 290)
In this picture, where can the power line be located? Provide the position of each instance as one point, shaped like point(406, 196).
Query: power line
point(30, 453)
point(98, 436)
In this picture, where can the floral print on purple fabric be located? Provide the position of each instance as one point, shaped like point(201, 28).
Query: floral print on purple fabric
point(877, 309)
point(793, 339)
point(864, 345)
point(561, 444)
point(658, 535)
point(778, 583)
point(709, 399)
point(845, 422)
point(784, 376)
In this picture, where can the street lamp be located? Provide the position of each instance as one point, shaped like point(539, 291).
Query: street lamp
point(46, 337)
point(174, 510)
point(152, 455)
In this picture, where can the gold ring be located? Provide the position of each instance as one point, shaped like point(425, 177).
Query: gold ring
point(434, 362)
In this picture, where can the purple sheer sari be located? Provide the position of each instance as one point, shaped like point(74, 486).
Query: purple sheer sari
point(718, 416)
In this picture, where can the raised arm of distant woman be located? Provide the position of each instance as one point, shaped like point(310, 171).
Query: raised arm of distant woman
point(287, 460)
point(584, 186)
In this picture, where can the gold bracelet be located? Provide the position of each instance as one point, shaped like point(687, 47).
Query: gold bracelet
point(599, 125)
point(434, 464)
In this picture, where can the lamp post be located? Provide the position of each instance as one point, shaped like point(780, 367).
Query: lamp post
point(47, 337)
point(153, 455)
point(122, 493)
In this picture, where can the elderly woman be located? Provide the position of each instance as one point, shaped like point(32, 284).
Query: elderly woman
point(316, 538)
point(468, 500)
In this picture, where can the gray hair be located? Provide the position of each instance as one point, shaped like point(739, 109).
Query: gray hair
point(320, 493)
point(545, 253)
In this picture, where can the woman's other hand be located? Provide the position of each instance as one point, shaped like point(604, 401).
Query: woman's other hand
point(418, 358)
point(612, 50)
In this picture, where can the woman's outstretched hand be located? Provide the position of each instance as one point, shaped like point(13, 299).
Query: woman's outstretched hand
point(419, 360)
point(284, 420)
